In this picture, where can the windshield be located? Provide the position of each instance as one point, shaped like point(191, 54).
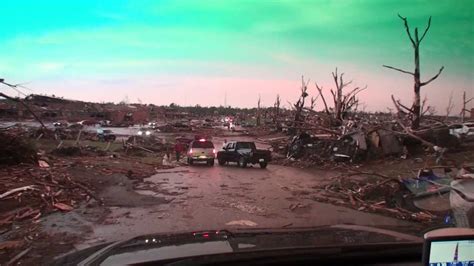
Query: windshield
point(203, 144)
point(246, 145)
point(181, 116)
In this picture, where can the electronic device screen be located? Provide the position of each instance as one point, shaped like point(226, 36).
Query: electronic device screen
point(451, 253)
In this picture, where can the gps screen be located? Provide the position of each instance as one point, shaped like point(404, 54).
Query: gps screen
point(451, 253)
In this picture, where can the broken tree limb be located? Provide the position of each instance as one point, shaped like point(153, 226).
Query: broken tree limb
point(372, 186)
point(355, 172)
point(399, 110)
point(426, 29)
point(398, 69)
point(433, 78)
point(87, 190)
point(407, 28)
point(408, 132)
point(19, 256)
point(320, 90)
point(63, 207)
point(59, 145)
point(351, 198)
point(307, 126)
point(15, 190)
point(398, 104)
point(139, 147)
point(78, 137)
point(410, 110)
point(108, 146)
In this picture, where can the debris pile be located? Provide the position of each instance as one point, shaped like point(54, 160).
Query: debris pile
point(15, 149)
point(383, 196)
point(149, 144)
point(30, 191)
point(423, 198)
point(360, 140)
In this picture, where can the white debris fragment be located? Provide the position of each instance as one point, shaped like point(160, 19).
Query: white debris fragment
point(43, 164)
point(242, 222)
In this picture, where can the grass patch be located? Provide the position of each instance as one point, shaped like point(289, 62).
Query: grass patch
point(49, 145)
point(152, 160)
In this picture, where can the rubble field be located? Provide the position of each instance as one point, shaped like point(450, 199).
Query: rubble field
point(42, 175)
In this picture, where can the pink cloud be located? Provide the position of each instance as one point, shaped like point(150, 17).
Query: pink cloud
point(243, 92)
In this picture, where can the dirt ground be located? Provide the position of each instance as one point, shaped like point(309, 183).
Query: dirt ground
point(136, 194)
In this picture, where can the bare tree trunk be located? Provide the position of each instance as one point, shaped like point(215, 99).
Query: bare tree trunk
point(313, 102)
point(276, 110)
point(417, 86)
point(463, 112)
point(464, 103)
point(300, 103)
point(343, 102)
point(258, 111)
point(338, 99)
point(320, 90)
point(450, 107)
point(416, 107)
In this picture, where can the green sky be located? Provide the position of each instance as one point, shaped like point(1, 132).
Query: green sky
point(164, 51)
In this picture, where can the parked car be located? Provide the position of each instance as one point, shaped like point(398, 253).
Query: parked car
point(105, 123)
point(152, 125)
point(60, 124)
point(246, 124)
point(463, 131)
point(201, 150)
point(106, 135)
point(87, 122)
point(144, 132)
point(243, 153)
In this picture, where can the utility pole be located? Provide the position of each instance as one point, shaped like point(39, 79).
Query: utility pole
point(14, 86)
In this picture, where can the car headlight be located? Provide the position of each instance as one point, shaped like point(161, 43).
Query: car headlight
point(148, 133)
point(140, 133)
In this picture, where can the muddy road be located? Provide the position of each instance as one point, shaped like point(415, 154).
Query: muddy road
point(200, 197)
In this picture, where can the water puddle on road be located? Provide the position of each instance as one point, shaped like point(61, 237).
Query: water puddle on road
point(154, 194)
point(166, 184)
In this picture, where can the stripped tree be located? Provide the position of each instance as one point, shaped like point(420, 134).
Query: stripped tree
point(320, 90)
point(276, 109)
point(299, 105)
point(450, 106)
point(343, 101)
point(464, 103)
point(258, 111)
point(313, 102)
point(427, 109)
point(416, 107)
